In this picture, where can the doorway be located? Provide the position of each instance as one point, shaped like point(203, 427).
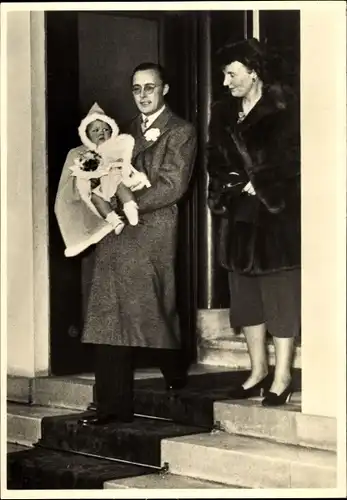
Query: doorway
point(90, 56)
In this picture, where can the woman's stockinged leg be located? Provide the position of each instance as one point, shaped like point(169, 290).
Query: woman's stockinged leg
point(256, 342)
point(246, 308)
point(281, 295)
point(284, 350)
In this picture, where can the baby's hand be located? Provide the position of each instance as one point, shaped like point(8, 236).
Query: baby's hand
point(137, 181)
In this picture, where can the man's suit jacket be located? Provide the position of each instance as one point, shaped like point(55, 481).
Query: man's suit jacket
point(167, 161)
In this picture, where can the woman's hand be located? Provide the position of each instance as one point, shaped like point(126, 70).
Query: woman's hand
point(216, 207)
point(249, 188)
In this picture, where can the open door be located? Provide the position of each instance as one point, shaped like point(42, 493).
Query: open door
point(90, 56)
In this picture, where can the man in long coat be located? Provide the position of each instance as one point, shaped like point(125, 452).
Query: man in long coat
point(132, 303)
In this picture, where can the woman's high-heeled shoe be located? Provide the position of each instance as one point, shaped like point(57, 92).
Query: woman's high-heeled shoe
point(254, 391)
point(273, 399)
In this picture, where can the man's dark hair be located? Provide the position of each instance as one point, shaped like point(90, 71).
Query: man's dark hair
point(151, 65)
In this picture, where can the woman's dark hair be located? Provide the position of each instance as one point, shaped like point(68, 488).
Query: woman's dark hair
point(268, 65)
point(151, 65)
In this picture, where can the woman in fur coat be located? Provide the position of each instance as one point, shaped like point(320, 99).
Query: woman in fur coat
point(254, 169)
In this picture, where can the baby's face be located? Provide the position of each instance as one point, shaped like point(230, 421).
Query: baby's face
point(98, 131)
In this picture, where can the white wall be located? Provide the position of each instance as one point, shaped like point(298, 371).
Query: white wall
point(27, 264)
point(323, 207)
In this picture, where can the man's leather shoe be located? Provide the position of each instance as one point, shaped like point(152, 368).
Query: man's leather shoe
point(98, 420)
point(176, 384)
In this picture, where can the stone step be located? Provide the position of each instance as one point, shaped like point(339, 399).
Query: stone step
point(137, 441)
point(13, 447)
point(248, 462)
point(232, 352)
point(76, 391)
point(285, 424)
point(71, 392)
point(24, 422)
point(218, 344)
point(193, 405)
point(40, 469)
point(19, 389)
point(66, 395)
point(162, 481)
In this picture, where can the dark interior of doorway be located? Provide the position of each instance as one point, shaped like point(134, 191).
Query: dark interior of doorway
point(176, 32)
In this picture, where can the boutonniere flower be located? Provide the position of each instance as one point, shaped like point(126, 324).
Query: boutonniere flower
point(152, 134)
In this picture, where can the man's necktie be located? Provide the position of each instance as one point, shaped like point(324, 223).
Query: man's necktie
point(144, 124)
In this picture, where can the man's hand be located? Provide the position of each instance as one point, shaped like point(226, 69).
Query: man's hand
point(137, 181)
point(249, 188)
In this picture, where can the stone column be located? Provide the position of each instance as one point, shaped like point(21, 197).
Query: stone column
point(213, 293)
point(27, 215)
point(213, 290)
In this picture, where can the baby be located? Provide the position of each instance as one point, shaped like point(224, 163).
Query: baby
point(104, 169)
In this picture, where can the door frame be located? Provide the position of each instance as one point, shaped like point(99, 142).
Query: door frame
point(67, 273)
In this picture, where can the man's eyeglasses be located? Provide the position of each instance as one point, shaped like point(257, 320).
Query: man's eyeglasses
point(148, 88)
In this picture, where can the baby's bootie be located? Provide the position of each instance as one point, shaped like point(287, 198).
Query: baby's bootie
point(131, 211)
point(116, 222)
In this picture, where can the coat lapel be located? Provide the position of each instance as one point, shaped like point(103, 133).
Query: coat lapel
point(161, 123)
point(257, 117)
point(271, 102)
point(260, 111)
point(263, 108)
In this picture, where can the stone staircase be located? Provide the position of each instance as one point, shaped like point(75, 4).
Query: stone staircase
point(218, 444)
point(259, 447)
